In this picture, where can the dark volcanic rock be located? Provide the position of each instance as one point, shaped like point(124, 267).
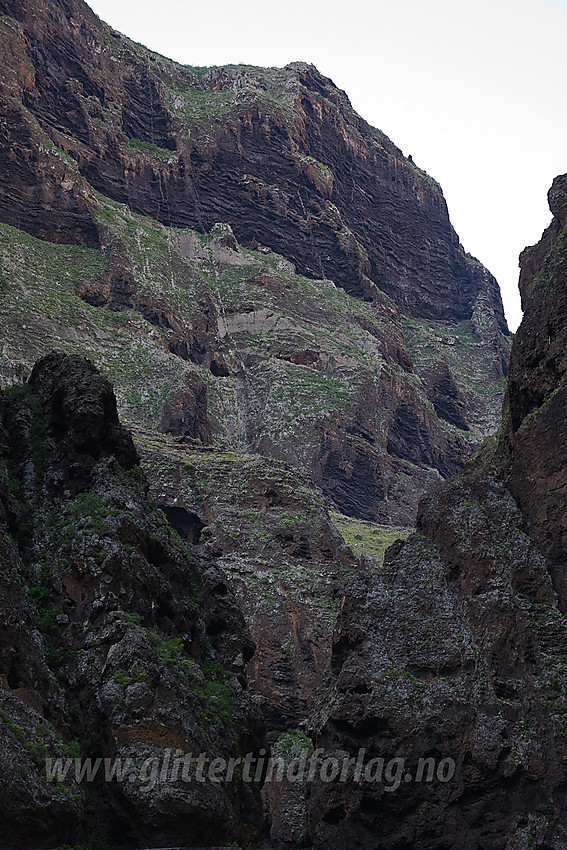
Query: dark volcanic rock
point(456, 648)
point(290, 164)
point(448, 402)
point(80, 413)
point(271, 534)
point(288, 567)
point(454, 651)
point(125, 635)
point(536, 398)
point(119, 637)
point(185, 413)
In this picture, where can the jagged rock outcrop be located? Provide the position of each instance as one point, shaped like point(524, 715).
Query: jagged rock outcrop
point(456, 648)
point(100, 132)
point(120, 640)
point(185, 412)
point(535, 424)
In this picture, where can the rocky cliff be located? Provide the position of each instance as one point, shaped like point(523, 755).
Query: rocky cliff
point(332, 320)
point(456, 648)
point(119, 638)
point(535, 417)
point(290, 324)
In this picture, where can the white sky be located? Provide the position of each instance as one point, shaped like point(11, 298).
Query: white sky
point(473, 89)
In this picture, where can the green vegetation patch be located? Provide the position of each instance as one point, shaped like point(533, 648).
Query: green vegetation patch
point(150, 147)
point(129, 677)
point(200, 95)
point(215, 693)
point(368, 538)
point(39, 744)
point(40, 311)
point(200, 106)
point(20, 396)
point(88, 506)
point(293, 744)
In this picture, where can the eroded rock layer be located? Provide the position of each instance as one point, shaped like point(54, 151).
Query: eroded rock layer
point(389, 375)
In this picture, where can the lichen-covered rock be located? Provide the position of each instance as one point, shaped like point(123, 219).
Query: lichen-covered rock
point(454, 650)
point(120, 640)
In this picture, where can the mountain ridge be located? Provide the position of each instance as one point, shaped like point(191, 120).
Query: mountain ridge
point(103, 132)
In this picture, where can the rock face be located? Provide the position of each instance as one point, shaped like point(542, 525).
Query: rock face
point(535, 425)
point(281, 152)
point(119, 639)
point(270, 534)
point(389, 373)
point(252, 264)
point(456, 648)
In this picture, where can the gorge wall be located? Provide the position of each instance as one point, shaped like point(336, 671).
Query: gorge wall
point(457, 646)
point(290, 324)
point(264, 247)
point(119, 640)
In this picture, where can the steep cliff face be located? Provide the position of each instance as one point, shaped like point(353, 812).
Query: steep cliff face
point(270, 533)
point(99, 132)
point(535, 425)
point(252, 264)
point(456, 648)
point(280, 152)
point(119, 639)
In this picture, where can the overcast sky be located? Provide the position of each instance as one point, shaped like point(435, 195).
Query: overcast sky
point(473, 89)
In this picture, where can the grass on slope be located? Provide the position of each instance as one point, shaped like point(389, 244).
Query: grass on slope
point(368, 538)
point(40, 312)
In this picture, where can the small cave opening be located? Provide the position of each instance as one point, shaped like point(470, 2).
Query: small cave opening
point(58, 422)
point(367, 727)
point(13, 679)
point(357, 689)
point(165, 610)
point(335, 815)
point(219, 370)
point(187, 524)
point(342, 648)
point(273, 497)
